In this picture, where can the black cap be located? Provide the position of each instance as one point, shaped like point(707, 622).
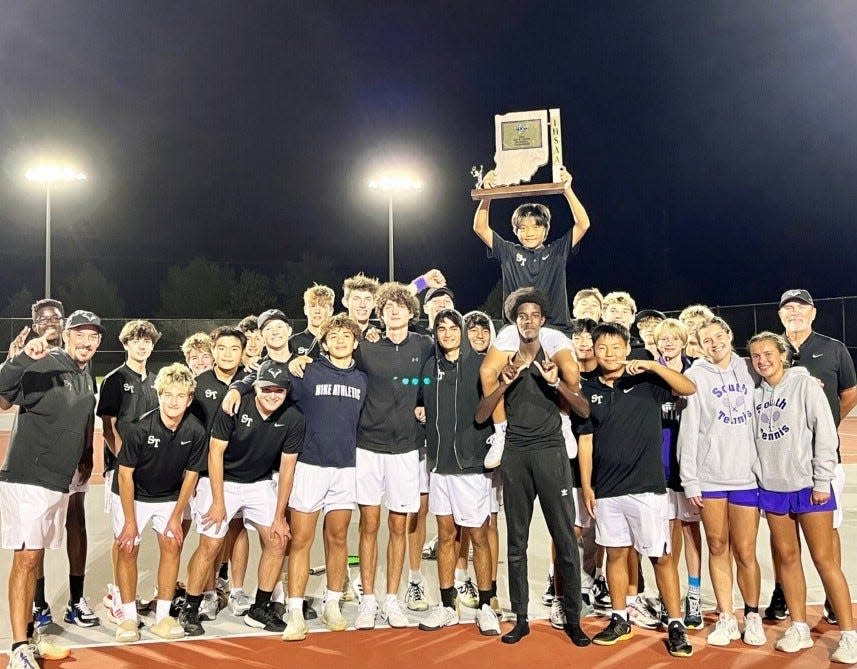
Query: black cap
point(272, 373)
point(431, 293)
point(81, 318)
point(794, 295)
point(272, 315)
point(650, 313)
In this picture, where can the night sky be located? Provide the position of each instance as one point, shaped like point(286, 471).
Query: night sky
point(714, 144)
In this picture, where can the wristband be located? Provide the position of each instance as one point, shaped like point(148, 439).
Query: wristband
point(420, 283)
point(554, 385)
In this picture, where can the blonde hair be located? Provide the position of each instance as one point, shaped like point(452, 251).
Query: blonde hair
point(198, 341)
point(583, 293)
point(619, 297)
point(778, 341)
point(695, 311)
point(175, 374)
point(359, 282)
point(672, 326)
point(318, 294)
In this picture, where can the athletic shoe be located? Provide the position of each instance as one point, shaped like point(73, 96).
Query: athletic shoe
point(640, 615)
point(264, 618)
point(221, 584)
point(487, 622)
point(794, 640)
point(495, 606)
point(430, 549)
point(356, 586)
point(692, 613)
point(394, 615)
point(80, 614)
point(586, 608)
point(43, 646)
point(602, 594)
point(846, 651)
point(239, 603)
point(189, 620)
point(366, 614)
point(309, 612)
point(725, 631)
point(677, 642)
point(777, 609)
point(618, 629)
point(467, 594)
point(415, 597)
point(23, 658)
point(550, 591)
point(280, 609)
point(42, 615)
point(208, 607)
point(828, 613)
point(168, 628)
point(296, 627)
point(349, 594)
point(661, 612)
point(754, 632)
point(557, 616)
point(331, 616)
point(494, 456)
point(127, 632)
point(440, 616)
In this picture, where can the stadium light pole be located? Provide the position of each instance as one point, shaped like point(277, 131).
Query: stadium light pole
point(47, 175)
point(392, 184)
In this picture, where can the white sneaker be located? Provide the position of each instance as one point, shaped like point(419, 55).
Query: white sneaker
point(415, 597)
point(43, 646)
point(494, 456)
point(568, 435)
point(208, 607)
point(366, 614)
point(394, 615)
point(639, 615)
point(296, 627)
point(754, 631)
point(440, 616)
point(240, 602)
point(725, 631)
point(846, 651)
point(113, 603)
point(557, 616)
point(348, 592)
point(794, 640)
point(331, 616)
point(23, 658)
point(467, 594)
point(487, 622)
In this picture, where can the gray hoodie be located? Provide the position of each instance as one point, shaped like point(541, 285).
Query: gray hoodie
point(716, 448)
point(795, 434)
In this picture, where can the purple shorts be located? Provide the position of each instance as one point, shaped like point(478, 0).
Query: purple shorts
point(800, 501)
point(738, 497)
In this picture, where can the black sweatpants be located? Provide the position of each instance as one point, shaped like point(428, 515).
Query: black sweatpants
point(543, 472)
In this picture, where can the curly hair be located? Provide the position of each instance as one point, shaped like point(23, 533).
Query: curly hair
point(139, 329)
point(393, 291)
point(337, 322)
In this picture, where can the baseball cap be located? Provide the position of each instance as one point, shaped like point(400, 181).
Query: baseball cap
point(273, 373)
point(272, 315)
point(432, 293)
point(794, 295)
point(81, 318)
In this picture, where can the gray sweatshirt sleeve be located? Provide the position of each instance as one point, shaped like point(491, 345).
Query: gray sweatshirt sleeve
point(688, 444)
point(825, 440)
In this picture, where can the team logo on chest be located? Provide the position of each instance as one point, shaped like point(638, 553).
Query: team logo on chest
point(153, 441)
point(596, 398)
point(246, 420)
point(128, 388)
point(210, 394)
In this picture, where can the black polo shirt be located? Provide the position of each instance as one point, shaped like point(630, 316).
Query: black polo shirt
point(255, 444)
point(209, 393)
point(160, 457)
point(625, 423)
point(532, 411)
point(305, 343)
point(542, 268)
point(125, 396)
point(828, 360)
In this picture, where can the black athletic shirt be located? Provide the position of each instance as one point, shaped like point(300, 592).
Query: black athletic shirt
point(542, 268)
point(125, 396)
point(532, 411)
point(625, 423)
point(305, 343)
point(255, 444)
point(576, 423)
point(828, 360)
point(160, 457)
point(208, 395)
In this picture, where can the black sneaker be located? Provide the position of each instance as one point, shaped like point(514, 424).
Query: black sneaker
point(777, 610)
point(264, 618)
point(547, 598)
point(189, 620)
point(602, 594)
point(692, 613)
point(309, 612)
point(618, 629)
point(677, 642)
point(829, 614)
